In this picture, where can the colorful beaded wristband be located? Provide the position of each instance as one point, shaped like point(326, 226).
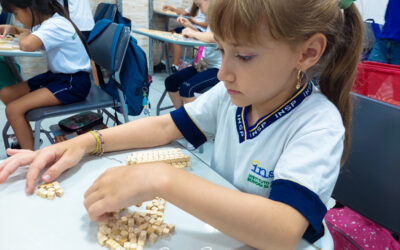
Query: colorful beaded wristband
point(99, 143)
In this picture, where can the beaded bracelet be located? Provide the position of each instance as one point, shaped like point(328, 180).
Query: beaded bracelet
point(99, 143)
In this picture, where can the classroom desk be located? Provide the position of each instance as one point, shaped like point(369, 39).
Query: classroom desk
point(31, 222)
point(165, 15)
point(168, 37)
point(9, 56)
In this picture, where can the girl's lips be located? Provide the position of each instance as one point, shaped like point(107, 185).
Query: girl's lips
point(233, 92)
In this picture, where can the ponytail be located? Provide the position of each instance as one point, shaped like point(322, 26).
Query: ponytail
point(339, 74)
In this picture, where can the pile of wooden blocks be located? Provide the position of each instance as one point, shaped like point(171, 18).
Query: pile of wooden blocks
point(50, 190)
point(175, 157)
point(131, 230)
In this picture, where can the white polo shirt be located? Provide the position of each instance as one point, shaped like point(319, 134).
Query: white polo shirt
point(212, 56)
point(80, 13)
point(291, 155)
point(64, 49)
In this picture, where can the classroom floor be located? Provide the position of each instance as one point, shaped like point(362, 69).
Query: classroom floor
point(156, 90)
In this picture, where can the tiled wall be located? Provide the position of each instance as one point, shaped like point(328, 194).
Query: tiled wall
point(136, 10)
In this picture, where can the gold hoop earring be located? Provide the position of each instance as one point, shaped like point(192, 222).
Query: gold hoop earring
point(300, 76)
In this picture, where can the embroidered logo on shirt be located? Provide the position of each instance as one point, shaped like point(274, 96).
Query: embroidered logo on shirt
point(258, 171)
point(74, 36)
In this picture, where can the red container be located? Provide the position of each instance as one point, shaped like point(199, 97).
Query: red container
point(379, 81)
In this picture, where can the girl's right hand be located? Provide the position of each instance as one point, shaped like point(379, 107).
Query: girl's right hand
point(7, 29)
point(58, 158)
point(183, 21)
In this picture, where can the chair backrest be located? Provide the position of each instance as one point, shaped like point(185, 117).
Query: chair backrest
point(369, 182)
point(101, 48)
point(105, 10)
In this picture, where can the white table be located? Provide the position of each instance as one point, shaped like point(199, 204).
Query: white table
point(31, 222)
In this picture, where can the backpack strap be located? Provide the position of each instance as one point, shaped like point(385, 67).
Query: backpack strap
point(98, 29)
point(66, 4)
point(375, 27)
point(114, 44)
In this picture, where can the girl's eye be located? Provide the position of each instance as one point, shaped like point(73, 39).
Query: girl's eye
point(244, 58)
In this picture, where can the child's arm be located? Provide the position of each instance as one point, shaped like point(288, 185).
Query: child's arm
point(201, 24)
point(146, 132)
point(29, 42)
point(178, 11)
point(252, 219)
point(185, 23)
point(207, 37)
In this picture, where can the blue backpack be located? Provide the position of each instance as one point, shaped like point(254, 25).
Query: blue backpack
point(110, 11)
point(134, 74)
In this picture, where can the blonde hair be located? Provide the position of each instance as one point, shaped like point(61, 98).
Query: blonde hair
point(295, 21)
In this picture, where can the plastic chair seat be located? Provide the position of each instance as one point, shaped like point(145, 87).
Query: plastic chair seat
point(97, 99)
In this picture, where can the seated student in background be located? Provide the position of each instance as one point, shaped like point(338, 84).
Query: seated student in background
point(280, 139)
point(67, 80)
point(387, 47)
point(196, 21)
point(81, 14)
point(182, 85)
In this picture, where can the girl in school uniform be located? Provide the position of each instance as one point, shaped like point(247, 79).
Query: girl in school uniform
point(279, 137)
point(182, 85)
point(67, 80)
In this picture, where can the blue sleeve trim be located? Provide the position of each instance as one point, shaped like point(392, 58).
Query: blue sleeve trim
point(188, 128)
point(303, 200)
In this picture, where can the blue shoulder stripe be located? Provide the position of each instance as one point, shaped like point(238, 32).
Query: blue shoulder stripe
point(188, 127)
point(303, 200)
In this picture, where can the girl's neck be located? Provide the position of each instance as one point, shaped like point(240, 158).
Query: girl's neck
point(42, 18)
point(259, 110)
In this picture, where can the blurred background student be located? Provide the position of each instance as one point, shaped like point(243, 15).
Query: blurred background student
point(387, 47)
point(196, 21)
point(81, 14)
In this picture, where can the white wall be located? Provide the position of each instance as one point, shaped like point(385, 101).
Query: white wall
point(373, 9)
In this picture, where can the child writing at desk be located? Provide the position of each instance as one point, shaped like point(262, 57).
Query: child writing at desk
point(196, 21)
point(67, 80)
point(182, 85)
point(279, 138)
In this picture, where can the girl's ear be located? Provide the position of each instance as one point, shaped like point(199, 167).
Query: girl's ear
point(311, 51)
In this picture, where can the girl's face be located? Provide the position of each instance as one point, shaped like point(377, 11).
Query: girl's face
point(24, 16)
point(203, 5)
point(263, 76)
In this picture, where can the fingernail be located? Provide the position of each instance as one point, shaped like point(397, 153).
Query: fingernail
point(46, 177)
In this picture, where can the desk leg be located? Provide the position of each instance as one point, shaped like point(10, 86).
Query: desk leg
point(168, 67)
point(11, 63)
point(151, 45)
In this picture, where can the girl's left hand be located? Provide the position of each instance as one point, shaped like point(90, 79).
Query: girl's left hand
point(192, 20)
point(121, 187)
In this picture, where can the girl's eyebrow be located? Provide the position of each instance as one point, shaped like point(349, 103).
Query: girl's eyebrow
point(233, 44)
